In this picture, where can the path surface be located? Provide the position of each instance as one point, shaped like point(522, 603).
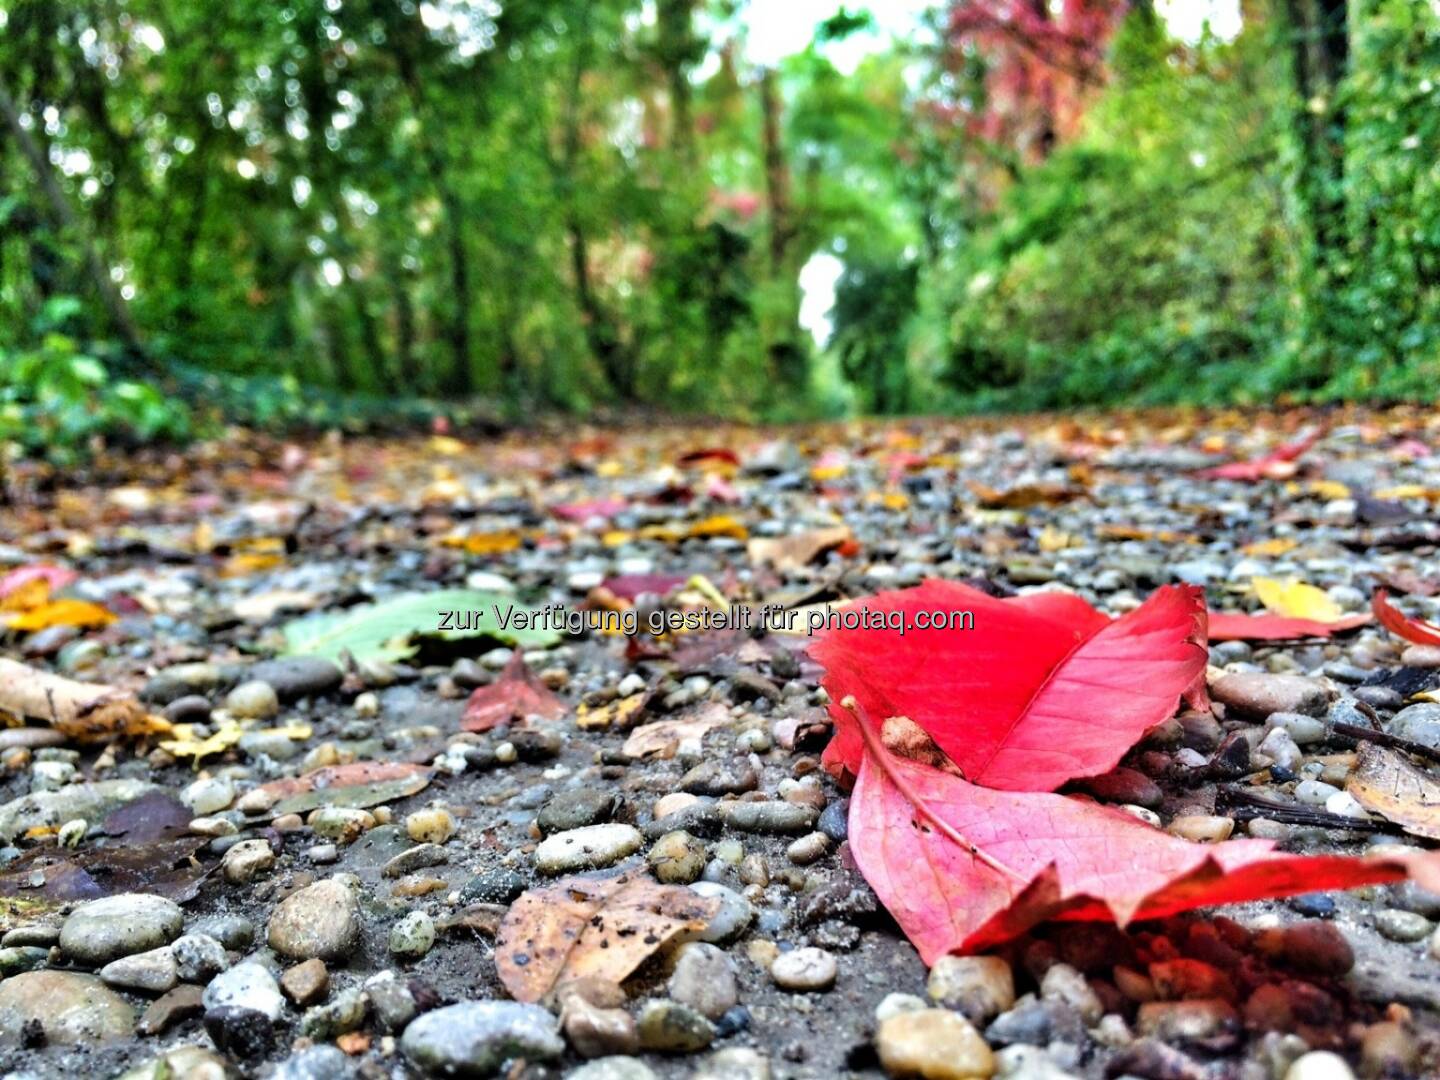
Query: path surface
point(205, 557)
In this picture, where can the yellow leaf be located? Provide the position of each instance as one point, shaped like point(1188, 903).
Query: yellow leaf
point(614, 714)
point(823, 473)
point(250, 562)
point(33, 594)
point(1296, 600)
point(615, 537)
point(719, 525)
point(1329, 489)
point(189, 746)
point(78, 613)
point(491, 543)
point(1278, 545)
point(1409, 491)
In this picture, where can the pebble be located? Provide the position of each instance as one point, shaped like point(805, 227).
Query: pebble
point(413, 936)
point(1202, 1020)
point(419, 857)
point(586, 848)
point(235, 932)
point(240, 1033)
point(1404, 926)
point(1062, 983)
point(677, 858)
point(616, 1067)
point(734, 916)
point(734, 1063)
point(295, 677)
point(433, 826)
point(1319, 1065)
point(808, 849)
point(247, 985)
point(934, 1044)
point(1314, 792)
point(1418, 723)
point(104, 930)
point(720, 778)
point(253, 700)
point(344, 1013)
point(804, 970)
point(1316, 947)
point(1202, 828)
point(1258, 695)
point(670, 1027)
point(1305, 730)
point(835, 820)
point(342, 824)
point(704, 979)
point(474, 1038)
point(71, 1008)
point(978, 987)
point(769, 816)
point(209, 795)
point(576, 809)
point(597, 1031)
point(315, 1063)
point(321, 920)
point(182, 1003)
point(246, 861)
point(306, 983)
point(153, 971)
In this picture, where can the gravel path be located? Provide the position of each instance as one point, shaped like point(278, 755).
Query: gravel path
point(219, 917)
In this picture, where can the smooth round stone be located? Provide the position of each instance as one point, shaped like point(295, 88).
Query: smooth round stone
point(586, 848)
point(1305, 730)
point(253, 700)
point(804, 970)
point(677, 858)
point(670, 1027)
point(247, 860)
point(1317, 948)
point(245, 986)
point(575, 809)
point(808, 849)
point(1314, 792)
point(115, 926)
point(704, 979)
point(70, 1008)
point(190, 1062)
point(315, 1063)
point(432, 826)
point(233, 931)
point(978, 987)
point(934, 1044)
point(1319, 1065)
point(209, 795)
point(1183, 1022)
point(1259, 694)
point(473, 1038)
point(894, 1003)
point(616, 1067)
point(198, 957)
point(733, 917)
point(413, 936)
point(1418, 723)
point(1402, 926)
point(319, 920)
point(295, 677)
point(1202, 828)
point(154, 971)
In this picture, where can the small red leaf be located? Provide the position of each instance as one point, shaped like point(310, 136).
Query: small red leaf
point(1044, 689)
point(1402, 625)
point(518, 693)
point(1228, 626)
point(1276, 465)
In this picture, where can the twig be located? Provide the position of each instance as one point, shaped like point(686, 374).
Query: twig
point(1383, 738)
point(1245, 806)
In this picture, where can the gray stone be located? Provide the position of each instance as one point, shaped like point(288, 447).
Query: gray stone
point(198, 957)
point(315, 1063)
point(1418, 723)
point(804, 970)
point(1256, 694)
point(704, 979)
point(671, 1027)
point(298, 676)
point(115, 926)
point(586, 848)
point(1305, 730)
point(319, 920)
point(254, 700)
point(616, 1067)
point(768, 816)
point(720, 778)
point(181, 680)
point(474, 1038)
point(413, 936)
point(90, 802)
point(1403, 926)
point(335, 1018)
point(575, 809)
point(245, 986)
point(419, 857)
point(153, 971)
point(731, 920)
point(979, 987)
point(69, 1007)
point(1062, 983)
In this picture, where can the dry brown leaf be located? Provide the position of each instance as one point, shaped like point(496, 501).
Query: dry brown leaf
point(662, 738)
point(1385, 783)
point(1023, 496)
point(620, 713)
point(600, 927)
point(796, 550)
point(86, 712)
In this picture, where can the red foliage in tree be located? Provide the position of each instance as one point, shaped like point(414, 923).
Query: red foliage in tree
point(1042, 60)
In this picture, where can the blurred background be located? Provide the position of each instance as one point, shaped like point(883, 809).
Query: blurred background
point(363, 211)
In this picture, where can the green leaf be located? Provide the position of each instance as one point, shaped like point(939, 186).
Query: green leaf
point(386, 631)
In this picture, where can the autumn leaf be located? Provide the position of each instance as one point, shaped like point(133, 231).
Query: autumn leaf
point(963, 867)
point(1230, 626)
point(1398, 623)
point(1279, 464)
point(1023, 496)
point(1294, 599)
point(66, 611)
point(518, 693)
point(1044, 690)
point(86, 712)
point(1385, 783)
point(592, 927)
point(798, 549)
point(357, 785)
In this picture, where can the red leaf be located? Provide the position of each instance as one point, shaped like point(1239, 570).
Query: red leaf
point(1270, 466)
point(629, 586)
point(591, 508)
point(57, 577)
point(705, 455)
point(1228, 626)
point(1043, 690)
point(963, 868)
point(518, 693)
point(1402, 625)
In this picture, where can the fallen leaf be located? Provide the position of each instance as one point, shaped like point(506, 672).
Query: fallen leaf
point(1023, 496)
point(1386, 783)
point(1045, 689)
point(619, 713)
point(54, 578)
point(1229, 626)
point(796, 550)
point(358, 785)
point(1397, 622)
point(217, 742)
point(592, 927)
point(592, 508)
point(663, 738)
point(81, 614)
point(963, 867)
point(1408, 583)
point(86, 712)
point(487, 543)
point(1279, 464)
point(1279, 545)
point(262, 607)
point(631, 586)
point(516, 694)
point(1294, 599)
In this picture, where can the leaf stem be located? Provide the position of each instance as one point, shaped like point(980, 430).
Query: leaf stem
point(882, 760)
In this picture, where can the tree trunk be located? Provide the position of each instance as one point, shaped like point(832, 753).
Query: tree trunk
point(66, 218)
point(777, 175)
point(676, 45)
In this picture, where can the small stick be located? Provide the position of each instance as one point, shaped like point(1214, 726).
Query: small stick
point(1245, 806)
point(1383, 738)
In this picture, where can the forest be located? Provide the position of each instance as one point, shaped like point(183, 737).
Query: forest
point(306, 212)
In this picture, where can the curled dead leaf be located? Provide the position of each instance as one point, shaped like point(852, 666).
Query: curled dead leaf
point(798, 549)
point(86, 712)
point(1385, 783)
point(584, 927)
point(663, 738)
